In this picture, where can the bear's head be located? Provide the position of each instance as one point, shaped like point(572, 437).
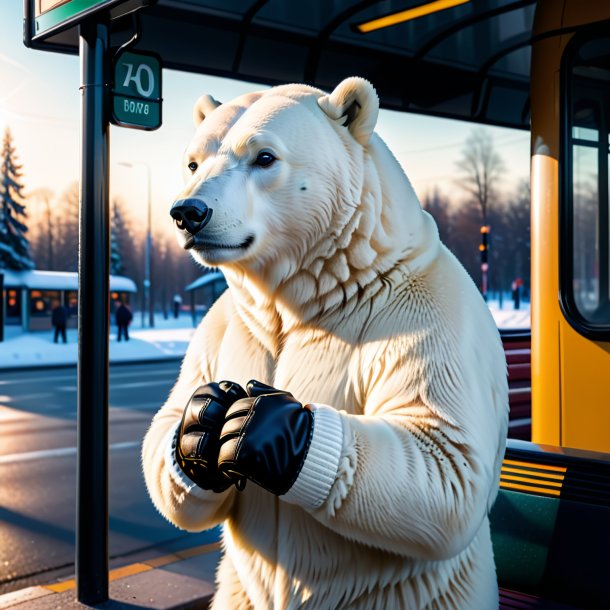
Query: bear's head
point(293, 180)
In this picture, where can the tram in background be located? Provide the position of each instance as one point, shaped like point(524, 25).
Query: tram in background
point(542, 65)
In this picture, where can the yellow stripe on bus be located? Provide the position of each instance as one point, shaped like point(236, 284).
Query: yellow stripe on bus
point(511, 477)
point(542, 490)
point(546, 475)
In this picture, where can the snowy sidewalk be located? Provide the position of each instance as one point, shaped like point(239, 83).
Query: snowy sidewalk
point(509, 318)
point(168, 340)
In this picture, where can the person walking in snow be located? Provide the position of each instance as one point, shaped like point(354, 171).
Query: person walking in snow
point(177, 305)
point(123, 318)
point(59, 319)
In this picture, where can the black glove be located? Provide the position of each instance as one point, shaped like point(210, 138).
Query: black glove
point(202, 421)
point(265, 438)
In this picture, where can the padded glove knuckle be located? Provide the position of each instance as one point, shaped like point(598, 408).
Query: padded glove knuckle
point(198, 442)
point(232, 427)
point(266, 440)
point(227, 455)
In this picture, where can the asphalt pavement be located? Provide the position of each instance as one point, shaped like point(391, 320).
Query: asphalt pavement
point(38, 471)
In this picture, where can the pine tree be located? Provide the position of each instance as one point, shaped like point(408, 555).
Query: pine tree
point(118, 230)
point(14, 247)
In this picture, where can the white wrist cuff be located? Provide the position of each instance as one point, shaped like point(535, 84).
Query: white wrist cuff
point(321, 465)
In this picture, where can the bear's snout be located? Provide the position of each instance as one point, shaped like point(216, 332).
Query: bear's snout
point(190, 215)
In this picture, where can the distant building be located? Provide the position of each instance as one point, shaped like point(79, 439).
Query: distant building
point(204, 291)
point(29, 296)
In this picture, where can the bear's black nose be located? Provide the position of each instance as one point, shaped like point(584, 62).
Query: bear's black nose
point(190, 215)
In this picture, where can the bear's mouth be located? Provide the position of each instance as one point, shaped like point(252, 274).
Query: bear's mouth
point(203, 246)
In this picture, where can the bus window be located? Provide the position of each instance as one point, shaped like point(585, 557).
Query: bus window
point(585, 288)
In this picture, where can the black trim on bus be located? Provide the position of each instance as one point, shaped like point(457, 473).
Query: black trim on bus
point(587, 476)
point(515, 334)
point(567, 302)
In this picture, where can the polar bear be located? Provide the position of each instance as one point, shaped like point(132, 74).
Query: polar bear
point(384, 370)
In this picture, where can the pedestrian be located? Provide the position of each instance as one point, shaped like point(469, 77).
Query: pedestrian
point(516, 288)
point(123, 317)
point(177, 304)
point(59, 319)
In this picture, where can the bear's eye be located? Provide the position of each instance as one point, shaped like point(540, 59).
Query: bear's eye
point(193, 166)
point(264, 159)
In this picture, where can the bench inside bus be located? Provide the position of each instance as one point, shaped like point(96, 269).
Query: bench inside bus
point(551, 528)
point(517, 348)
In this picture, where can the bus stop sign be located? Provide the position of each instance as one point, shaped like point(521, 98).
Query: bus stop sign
point(136, 93)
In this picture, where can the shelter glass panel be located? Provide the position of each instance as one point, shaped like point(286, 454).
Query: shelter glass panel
point(13, 306)
point(42, 302)
point(71, 302)
point(587, 133)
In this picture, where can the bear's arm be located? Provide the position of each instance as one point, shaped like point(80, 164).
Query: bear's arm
point(418, 469)
point(175, 496)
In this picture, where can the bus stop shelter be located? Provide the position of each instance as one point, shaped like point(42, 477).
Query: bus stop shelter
point(459, 59)
point(30, 295)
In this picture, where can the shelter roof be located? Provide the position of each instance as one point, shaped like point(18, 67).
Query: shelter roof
point(205, 280)
point(468, 62)
point(59, 280)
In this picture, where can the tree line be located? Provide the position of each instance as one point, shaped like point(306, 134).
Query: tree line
point(48, 238)
point(505, 214)
point(39, 229)
point(54, 245)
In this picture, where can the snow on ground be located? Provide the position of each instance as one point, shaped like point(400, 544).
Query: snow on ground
point(169, 339)
point(507, 317)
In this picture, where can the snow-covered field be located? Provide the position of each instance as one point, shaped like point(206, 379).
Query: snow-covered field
point(169, 339)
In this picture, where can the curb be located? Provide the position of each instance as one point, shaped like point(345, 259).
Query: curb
point(163, 589)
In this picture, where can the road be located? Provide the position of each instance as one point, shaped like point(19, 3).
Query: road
point(38, 470)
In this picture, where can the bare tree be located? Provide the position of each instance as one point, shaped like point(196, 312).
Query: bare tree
point(439, 207)
point(481, 170)
point(66, 244)
point(510, 254)
point(43, 229)
point(173, 269)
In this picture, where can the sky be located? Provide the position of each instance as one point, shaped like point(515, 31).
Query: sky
point(39, 101)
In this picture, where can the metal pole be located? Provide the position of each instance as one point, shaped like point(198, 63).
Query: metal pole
point(93, 315)
point(151, 312)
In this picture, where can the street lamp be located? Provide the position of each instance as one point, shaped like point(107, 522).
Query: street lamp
point(148, 249)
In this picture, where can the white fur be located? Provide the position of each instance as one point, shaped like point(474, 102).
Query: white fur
point(346, 297)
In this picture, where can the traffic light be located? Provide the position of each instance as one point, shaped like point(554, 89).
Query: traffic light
point(484, 246)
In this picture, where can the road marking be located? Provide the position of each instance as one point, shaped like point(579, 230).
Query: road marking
point(171, 373)
point(18, 398)
point(123, 386)
point(30, 380)
point(138, 405)
point(60, 452)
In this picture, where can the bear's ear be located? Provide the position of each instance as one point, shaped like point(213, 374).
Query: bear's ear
point(356, 100)
point(204, 106)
